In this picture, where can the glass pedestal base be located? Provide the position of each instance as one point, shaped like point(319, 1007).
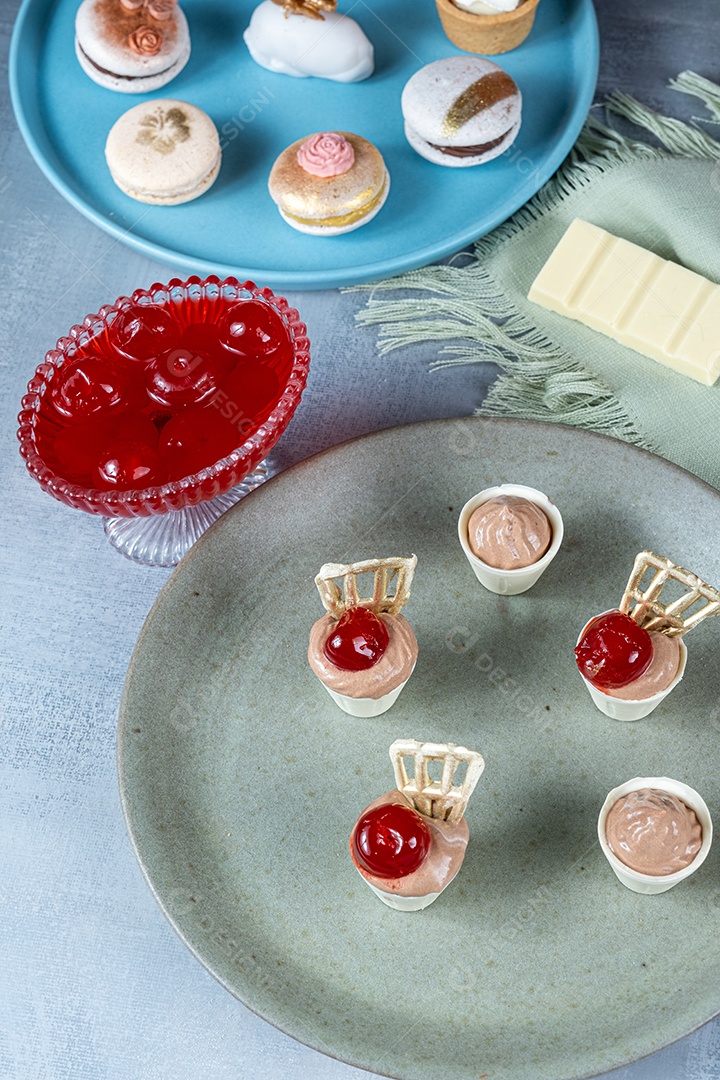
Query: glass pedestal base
point(163, 539)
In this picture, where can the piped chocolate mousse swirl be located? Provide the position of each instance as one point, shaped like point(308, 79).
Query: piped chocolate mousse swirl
point(509, 532)
point(653, 832)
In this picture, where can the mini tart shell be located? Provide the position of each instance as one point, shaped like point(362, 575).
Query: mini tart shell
point(487, 34)
point(329, 202)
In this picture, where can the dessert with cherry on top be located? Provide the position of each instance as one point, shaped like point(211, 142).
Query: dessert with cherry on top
point(631, 657)
point(409, 844)
point(363, 650)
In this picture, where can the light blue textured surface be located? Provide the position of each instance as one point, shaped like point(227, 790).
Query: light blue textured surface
point(235, 228)
point(94, 984)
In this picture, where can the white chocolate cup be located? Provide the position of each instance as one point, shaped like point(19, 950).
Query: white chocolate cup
point(511, 582)
point(404, 903)
point(651, 883)
point(621, 709)
point(366, 706)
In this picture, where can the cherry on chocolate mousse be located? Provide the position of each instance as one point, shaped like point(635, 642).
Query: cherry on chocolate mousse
point(357, 641)
point(391, 841)
point(144, 331)
point(613, 651)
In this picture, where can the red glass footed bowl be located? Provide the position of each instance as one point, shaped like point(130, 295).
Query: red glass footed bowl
point(165, 399)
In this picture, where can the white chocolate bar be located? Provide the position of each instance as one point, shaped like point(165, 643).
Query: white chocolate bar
point(657, 307)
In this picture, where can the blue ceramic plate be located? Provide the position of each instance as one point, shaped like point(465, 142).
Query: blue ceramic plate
point(235, 228)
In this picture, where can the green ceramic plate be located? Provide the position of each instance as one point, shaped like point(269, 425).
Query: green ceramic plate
point(241, 780)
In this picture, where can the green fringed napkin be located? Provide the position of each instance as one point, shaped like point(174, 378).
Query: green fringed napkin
point(667, 200)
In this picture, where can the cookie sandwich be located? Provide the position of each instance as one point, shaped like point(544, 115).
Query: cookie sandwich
point(461, 111)
point(329, 183)
point(164, 152)
point(131, 46)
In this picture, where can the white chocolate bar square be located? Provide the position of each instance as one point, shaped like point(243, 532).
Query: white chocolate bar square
point(651, 305)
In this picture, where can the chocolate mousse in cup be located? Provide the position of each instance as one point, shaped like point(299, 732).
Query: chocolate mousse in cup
point(632, 657)
point(363, 650)
point(409, 844)
point(654, 832)
point(510, 535)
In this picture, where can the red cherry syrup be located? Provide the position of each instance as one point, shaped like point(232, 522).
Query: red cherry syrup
point(391, 841)
point(613, 651)
point(164, 391)
point(357, 641)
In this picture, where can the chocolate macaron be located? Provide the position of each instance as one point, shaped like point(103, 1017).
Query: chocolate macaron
point(329, 183)
point(461, 111)
point(132, 46)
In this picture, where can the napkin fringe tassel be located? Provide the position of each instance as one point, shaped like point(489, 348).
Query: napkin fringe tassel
point(538, 380)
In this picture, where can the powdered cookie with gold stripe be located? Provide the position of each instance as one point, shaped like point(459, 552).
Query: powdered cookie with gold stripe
point(329, 183)
point(461, 111)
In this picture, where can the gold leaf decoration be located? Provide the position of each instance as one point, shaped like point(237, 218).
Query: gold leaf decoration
point(163, 130)
point(312, 9)
point(476, 98)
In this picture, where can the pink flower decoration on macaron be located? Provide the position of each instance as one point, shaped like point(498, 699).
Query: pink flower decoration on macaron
point(146, 40)
point(326, 154)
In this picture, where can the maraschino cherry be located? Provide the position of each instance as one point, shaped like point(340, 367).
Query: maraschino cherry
point(182, 377)
point(253, 329)
point(144, 331)
point(357, 641)
point(195, 439)
point(129, 458)
point(391, 841)
point(613, 651)
point(87, 386)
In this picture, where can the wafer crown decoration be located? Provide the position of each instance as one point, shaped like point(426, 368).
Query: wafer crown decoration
point(643, 604)
point(441, 799)
point(398, 572)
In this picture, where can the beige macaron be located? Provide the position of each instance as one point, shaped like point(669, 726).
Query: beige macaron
point(163, 152)
point(329, 205)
